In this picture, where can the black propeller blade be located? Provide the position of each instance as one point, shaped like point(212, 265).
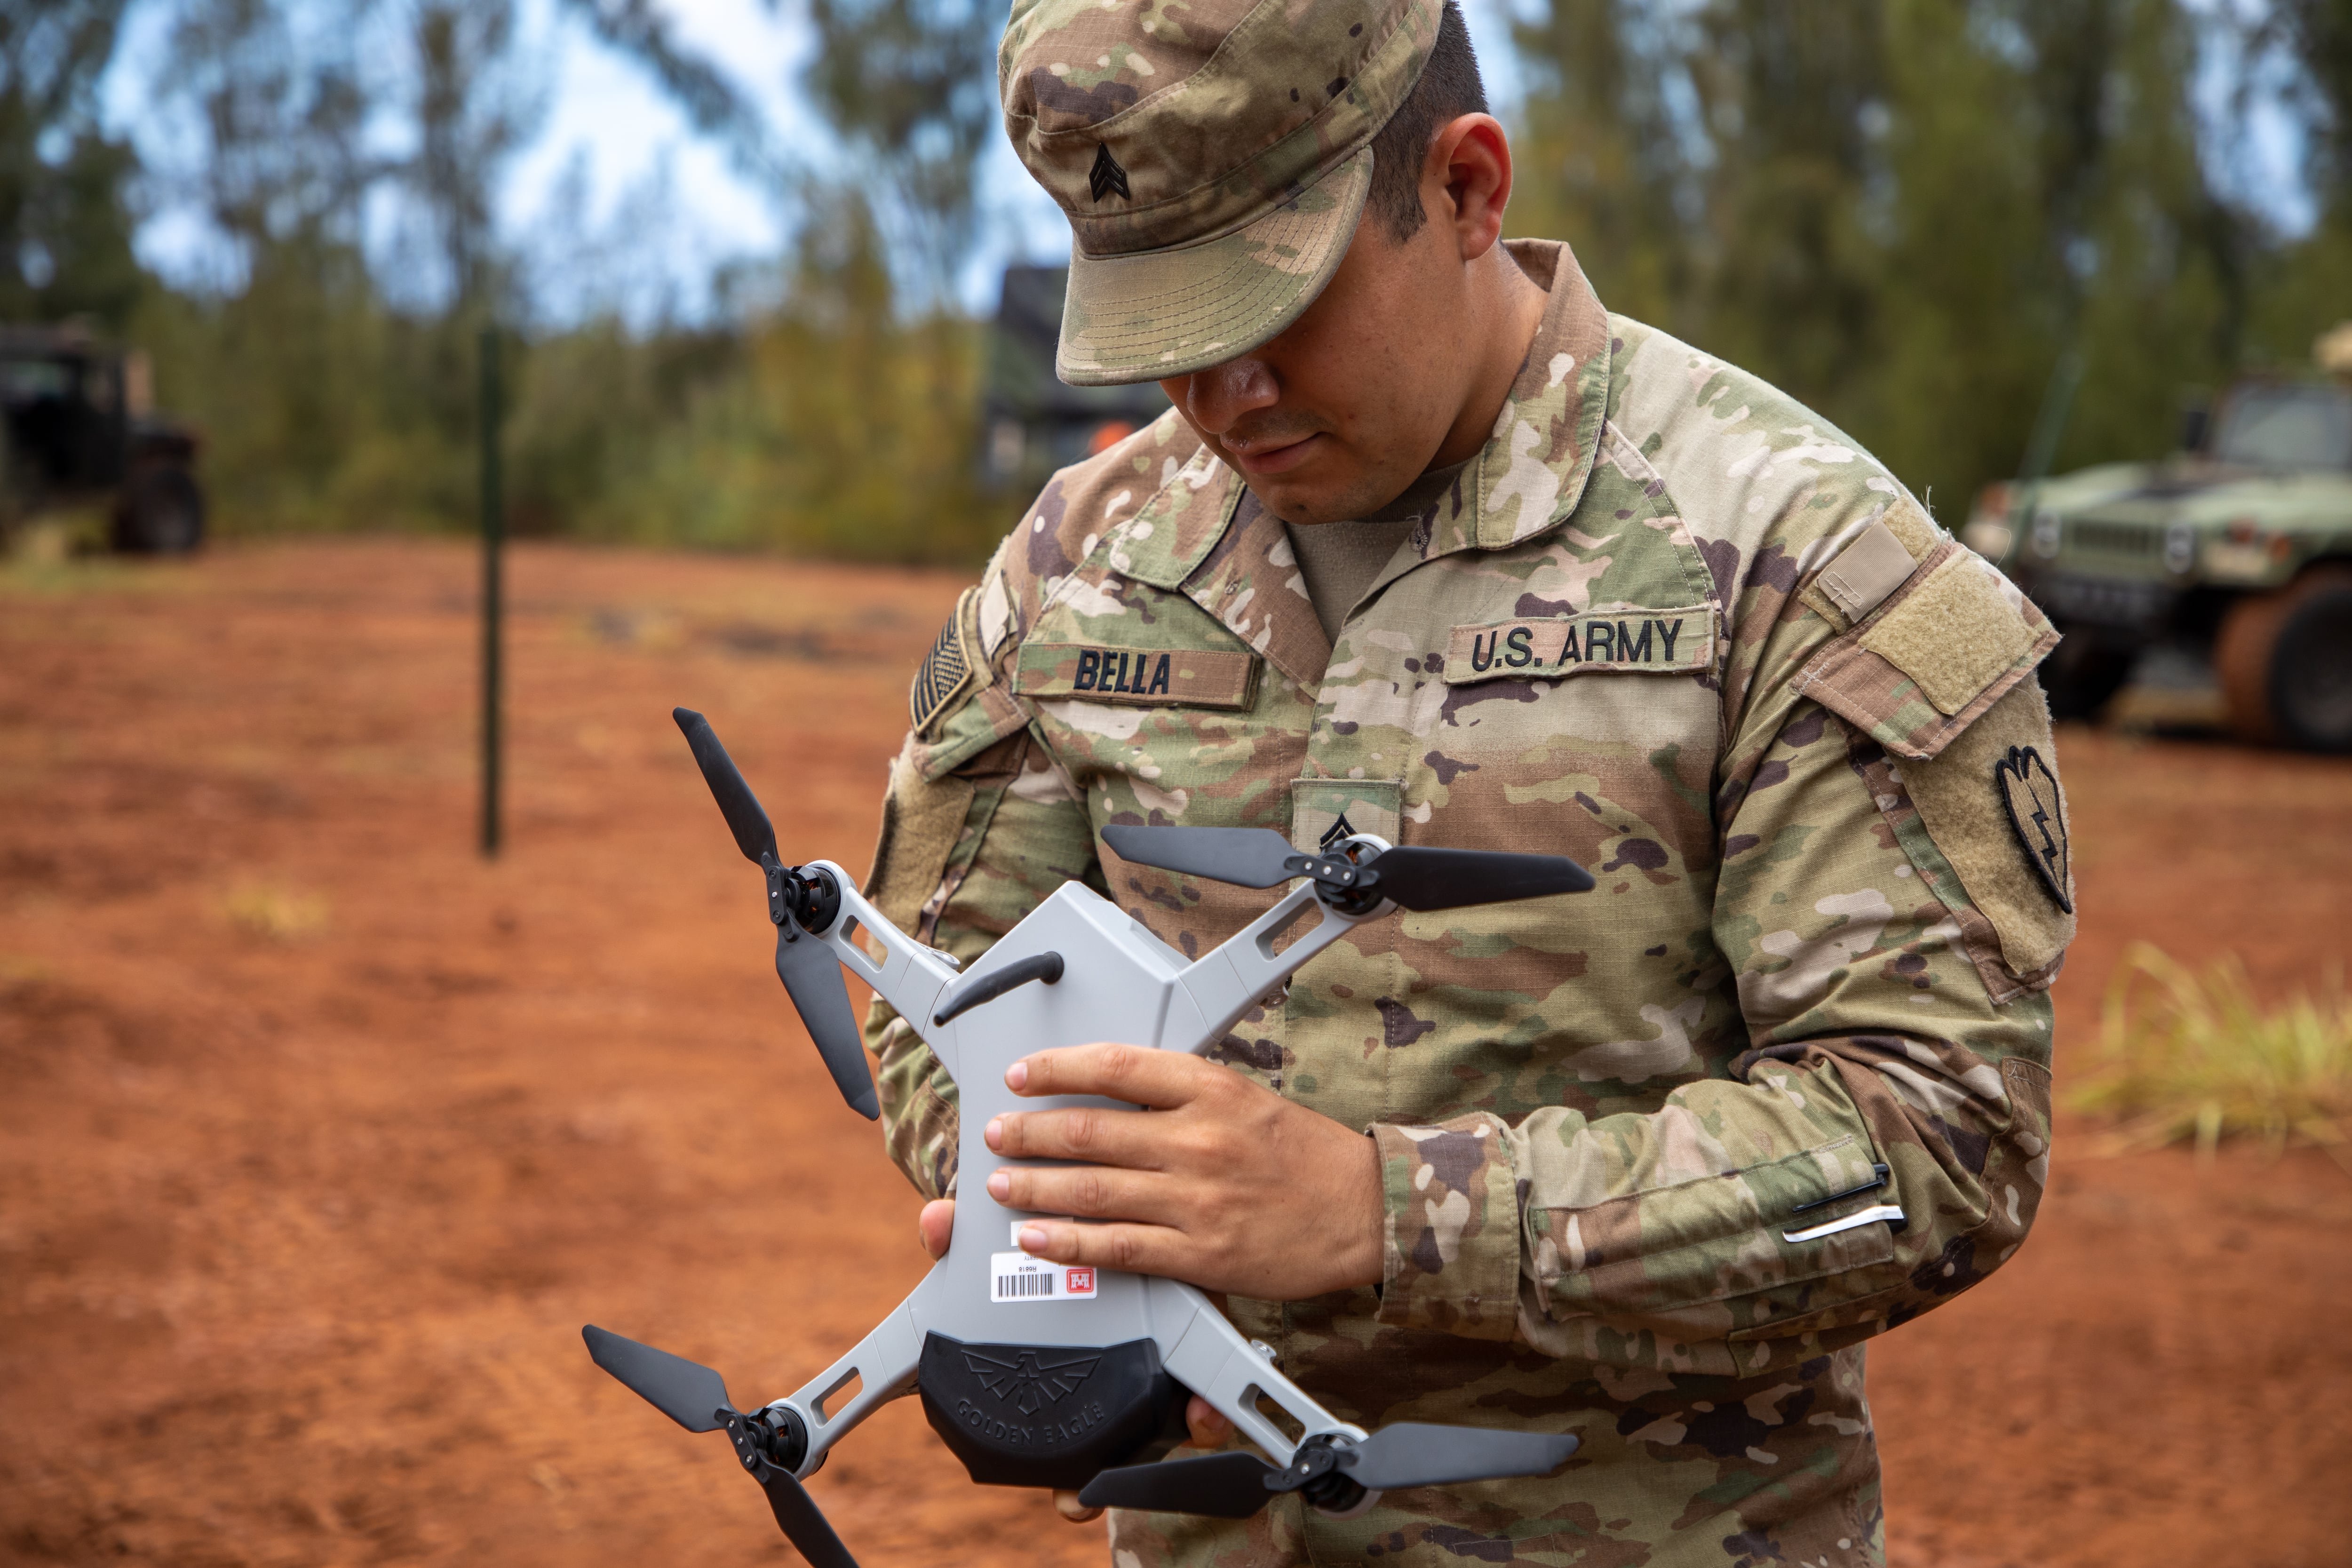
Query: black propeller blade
point(811, 973)
point(1222, 1486)
point(686, 1392)
point(1245, 856)
point(1414, 876)
point(1418, 1454)
point(803, 1522)
point(754, 834)
point(696, 1398)
point(1409, 1454)
point(1422, 877)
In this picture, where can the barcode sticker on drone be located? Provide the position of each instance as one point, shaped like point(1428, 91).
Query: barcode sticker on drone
point(1017, 1276)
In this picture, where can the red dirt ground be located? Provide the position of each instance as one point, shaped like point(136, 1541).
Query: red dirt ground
point(323, 1137)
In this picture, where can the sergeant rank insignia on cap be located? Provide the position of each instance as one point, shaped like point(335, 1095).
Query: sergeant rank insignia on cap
point(2038, 814)
point(1106, 175)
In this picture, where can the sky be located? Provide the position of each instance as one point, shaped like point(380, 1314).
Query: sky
point(609, 114)
point(615, 199)
point(616, 202)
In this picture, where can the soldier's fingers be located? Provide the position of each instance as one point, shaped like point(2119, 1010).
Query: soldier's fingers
point(1067, 1505)
point(1090, 1192)
point(936, 1226)
point(1082, 1133)
point(1135, 1074)
point(1206, 1424)
point(1130, 1248)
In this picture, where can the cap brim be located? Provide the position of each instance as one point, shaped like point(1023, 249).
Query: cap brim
point(1158, 313)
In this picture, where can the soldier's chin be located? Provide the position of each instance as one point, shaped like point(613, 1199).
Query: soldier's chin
point(1325, 488)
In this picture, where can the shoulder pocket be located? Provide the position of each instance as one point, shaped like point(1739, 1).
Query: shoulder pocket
point(956, 706)
point(1953, 640)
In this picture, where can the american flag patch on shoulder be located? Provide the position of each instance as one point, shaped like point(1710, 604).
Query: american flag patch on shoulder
point(947, 670)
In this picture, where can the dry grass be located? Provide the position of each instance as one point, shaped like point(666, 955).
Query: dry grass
point(2188, 1056)
point(276, 915)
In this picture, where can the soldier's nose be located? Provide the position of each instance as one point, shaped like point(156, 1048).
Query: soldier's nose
point(1218, 397)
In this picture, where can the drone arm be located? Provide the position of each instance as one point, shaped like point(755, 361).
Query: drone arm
point(1230, 978)
point(1209, 1357)
point(909, 976)
point(883, 1365)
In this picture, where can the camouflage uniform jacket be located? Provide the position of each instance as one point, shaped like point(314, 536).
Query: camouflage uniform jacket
point(1676, 626)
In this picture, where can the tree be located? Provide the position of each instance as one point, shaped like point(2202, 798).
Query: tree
point(65, 216)
point(472, 110)
point(1904, 213)
point(910, 85)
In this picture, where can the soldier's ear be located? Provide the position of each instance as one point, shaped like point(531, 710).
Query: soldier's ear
point(1466, 181)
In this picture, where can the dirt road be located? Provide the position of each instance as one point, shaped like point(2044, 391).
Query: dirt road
point(323, 1137)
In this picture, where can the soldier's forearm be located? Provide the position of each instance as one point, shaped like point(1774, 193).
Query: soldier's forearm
point(918, 1103)
point(1754, 1210)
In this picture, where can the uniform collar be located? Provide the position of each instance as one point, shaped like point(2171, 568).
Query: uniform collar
point(1527, 479)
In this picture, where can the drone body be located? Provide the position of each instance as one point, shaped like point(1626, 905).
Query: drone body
point(1039, 1374)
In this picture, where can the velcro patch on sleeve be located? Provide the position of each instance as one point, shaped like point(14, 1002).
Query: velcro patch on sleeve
point(1860, 577)
point(1550, 648)
point(1993, 806)
point(1947, 646)
point(1957, 633)
point(1137, 676)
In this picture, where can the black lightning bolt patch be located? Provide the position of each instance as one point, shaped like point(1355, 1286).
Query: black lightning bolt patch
point(2036, 810)
point(1030, 1383)
point(1106, 175)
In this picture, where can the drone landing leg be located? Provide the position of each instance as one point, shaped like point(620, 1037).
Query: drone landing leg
point(883, 1365)
point(1209, 1357)
point(1232, 977)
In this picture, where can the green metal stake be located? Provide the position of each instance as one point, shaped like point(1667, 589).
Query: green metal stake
point(494, 536)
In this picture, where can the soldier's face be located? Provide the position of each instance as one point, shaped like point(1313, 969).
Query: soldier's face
point(1387, 373)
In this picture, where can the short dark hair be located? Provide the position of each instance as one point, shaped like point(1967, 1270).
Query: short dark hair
point(1449, 87)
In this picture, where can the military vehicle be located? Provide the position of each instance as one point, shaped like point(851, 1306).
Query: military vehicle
point(77, 428)
point(2236, 549)
point(1032, 422)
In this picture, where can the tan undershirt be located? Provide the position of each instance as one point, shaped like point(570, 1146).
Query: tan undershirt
point(1339, 560)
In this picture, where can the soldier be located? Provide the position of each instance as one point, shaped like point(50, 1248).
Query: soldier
point(1431, 544)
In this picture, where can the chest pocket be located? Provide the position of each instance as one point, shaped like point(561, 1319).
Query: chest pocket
point(1156, 710)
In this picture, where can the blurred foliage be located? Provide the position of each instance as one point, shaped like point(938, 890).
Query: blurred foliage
point(910, 85)
point(1902, 211)
point(831, 423)
point(65, 216)
point(2184, 1056)
point(1905, 213)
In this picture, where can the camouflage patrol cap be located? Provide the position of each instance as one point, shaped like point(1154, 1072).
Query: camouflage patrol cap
point(1213, 157)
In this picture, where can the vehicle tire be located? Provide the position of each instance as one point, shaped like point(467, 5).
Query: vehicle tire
point(160, 512)
point(2084, 673)
point(2285, 662)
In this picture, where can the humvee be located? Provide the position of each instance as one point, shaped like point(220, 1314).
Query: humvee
point(77, 428)
point(2236, 549)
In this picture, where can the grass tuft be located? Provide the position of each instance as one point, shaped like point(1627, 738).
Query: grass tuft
point(276, 915)
point(2190, 1058)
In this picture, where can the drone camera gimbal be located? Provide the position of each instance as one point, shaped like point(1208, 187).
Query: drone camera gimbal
point(1039, 1374)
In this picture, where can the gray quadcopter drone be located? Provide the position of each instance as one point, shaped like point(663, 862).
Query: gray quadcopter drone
point(1041, 1374)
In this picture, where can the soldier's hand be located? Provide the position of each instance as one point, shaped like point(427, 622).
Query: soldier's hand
point(936, 1226)
point(1223, 1184)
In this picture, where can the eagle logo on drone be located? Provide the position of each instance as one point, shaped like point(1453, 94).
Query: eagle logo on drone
point(1030, 1383)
